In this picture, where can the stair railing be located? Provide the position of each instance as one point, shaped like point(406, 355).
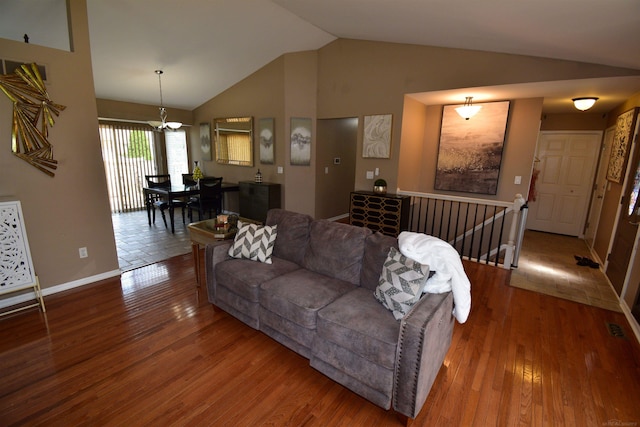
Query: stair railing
point(481, 230)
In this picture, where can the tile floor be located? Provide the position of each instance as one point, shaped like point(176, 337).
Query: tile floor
point(140, 244)
point(546, 262)
point(547, 265)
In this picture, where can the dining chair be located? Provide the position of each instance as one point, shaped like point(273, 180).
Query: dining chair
point(187, 179)
point(163, 181)
point(209, 198)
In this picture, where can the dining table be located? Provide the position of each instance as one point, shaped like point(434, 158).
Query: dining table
point(177, 192)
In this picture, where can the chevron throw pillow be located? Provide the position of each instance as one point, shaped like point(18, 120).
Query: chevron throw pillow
point(254, 242)
point(401, 283)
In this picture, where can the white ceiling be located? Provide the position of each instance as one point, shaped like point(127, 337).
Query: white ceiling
point(206, 46)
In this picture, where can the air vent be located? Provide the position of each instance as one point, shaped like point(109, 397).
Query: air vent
point(615, 330)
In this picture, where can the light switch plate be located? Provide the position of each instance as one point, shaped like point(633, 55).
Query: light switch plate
point(369, 174)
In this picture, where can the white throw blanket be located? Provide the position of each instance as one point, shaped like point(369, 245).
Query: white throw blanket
point(445, 261)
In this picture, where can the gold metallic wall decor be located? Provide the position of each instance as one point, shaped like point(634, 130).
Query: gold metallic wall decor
point(31, 105)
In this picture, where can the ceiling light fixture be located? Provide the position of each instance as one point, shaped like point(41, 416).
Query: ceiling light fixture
point(583, 104)
point(468, 110)
point(163, 123)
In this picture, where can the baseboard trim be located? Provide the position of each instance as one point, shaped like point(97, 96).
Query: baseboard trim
point(19, 299)
point(339, 217)
point(633, 323)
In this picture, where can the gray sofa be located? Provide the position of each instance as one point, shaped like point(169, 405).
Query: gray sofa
point(317, 298)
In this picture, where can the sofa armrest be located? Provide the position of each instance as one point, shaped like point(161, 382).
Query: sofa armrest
point(214, 253)
point(425, 337)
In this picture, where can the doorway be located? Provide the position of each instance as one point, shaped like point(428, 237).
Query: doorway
point(566, 172)
point(336, 166)
point(130, 151)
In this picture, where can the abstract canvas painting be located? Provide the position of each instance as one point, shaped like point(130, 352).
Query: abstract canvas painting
point(205, 141)
point(300, 141)
point(377, 136)
point(266, 136)
point(620, 146)
point(470, 151)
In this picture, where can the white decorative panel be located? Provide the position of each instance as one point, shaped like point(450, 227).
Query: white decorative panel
point(16, 266)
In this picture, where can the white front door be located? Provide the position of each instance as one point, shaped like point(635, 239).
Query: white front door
point(567, 166)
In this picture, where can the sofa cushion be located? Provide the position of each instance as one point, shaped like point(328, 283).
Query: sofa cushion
point(297, 296)
point(376, 249)
point(401, 283)
point(254, 242)
point(359, 323)
point(336, 250)
point(293, 234)
point(243, 277)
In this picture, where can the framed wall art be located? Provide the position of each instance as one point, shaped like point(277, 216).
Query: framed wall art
point(620, 146)
point(205, 141)
point(470, 151)
point(376, 141)
point(300, 141)
point(267, 140)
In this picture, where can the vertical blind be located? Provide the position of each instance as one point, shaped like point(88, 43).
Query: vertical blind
point(128, 152)
point(239, 146)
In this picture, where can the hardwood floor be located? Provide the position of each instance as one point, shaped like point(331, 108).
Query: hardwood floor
point(148, 349)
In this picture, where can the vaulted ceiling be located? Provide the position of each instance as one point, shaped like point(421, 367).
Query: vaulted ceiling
point(206, 46)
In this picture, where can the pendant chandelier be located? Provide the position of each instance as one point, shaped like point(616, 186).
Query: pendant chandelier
point(163, 123)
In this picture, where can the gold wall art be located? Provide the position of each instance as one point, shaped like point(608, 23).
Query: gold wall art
point(620, 148)
point(33, 114)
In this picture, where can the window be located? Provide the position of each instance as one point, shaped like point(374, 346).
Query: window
point(177, 158)
point(128, 152)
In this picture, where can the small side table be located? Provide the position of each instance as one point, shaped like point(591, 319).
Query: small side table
point(204, 233)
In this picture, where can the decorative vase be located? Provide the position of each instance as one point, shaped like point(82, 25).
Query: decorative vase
point(380, 189)
point(197, 173)
point(380, 186)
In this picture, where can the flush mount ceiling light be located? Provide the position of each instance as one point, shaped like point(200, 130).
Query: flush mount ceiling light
point(163, 123)
point(468, 110)
point(583, 104)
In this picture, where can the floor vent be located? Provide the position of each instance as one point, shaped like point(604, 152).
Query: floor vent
point(615, 330)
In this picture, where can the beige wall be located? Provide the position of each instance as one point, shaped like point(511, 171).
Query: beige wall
point(357, 78)
point(346, 78)
point(70, 210)
point(611, 201)
point(574, 121)
point(259, 96)
point(420, 140)
point(612, 196)
point(282, 89)
point(352, 78)
point(300, 80)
